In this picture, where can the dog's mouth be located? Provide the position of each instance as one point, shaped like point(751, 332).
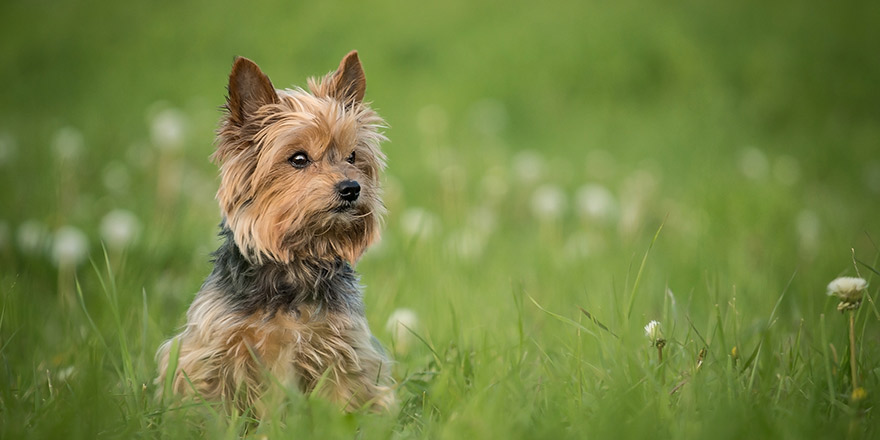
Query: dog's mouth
point(344, 207)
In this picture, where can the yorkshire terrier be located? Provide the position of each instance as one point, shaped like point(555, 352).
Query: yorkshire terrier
point(301, 201)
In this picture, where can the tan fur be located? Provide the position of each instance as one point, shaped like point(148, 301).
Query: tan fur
point(281, 217)
point(238, 357)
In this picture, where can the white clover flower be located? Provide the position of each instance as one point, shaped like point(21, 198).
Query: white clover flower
point(654, 333)
point(596, 202)
point(69, 247)
point(548, 202)
point(119, 228)
point(398, 324)
point(168, 129)
point(68, 143)
point(418, 223)
point(849, 290)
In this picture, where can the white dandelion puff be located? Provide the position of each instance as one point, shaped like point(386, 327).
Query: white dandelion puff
point(168, 129)
point(596, 202)
point(31, 237)
point(399, 324)
point(548, 202)
point(753, 164)
point(68, 143)
point(119, 228)
point(849, 290)
point(418, 223)
point(808, 227)
point(467, 244)
point(69, 247)
point(654, 332)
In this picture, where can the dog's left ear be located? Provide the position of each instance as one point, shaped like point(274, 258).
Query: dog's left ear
point(348, 83)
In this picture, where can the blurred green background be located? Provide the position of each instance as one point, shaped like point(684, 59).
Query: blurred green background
point(535, 150)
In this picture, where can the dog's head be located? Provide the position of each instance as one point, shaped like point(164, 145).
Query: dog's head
point(300, 169)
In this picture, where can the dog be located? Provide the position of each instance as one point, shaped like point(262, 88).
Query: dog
point(301, 201)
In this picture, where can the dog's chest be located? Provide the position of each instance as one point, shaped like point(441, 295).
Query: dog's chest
point(301, 345)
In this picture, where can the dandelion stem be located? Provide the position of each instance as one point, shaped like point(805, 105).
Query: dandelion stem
point(660, 353)
point(852, 349)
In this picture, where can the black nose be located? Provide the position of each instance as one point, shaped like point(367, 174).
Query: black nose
point(349, 190)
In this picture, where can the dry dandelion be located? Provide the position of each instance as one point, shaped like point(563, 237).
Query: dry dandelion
point(850, 290)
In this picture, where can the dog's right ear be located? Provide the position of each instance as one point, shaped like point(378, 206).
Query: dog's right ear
point(249, 89)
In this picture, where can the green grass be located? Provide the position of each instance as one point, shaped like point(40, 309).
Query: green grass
point(739, 143)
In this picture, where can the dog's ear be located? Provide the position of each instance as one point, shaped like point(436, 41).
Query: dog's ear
point(249, 89)
point(348, 83)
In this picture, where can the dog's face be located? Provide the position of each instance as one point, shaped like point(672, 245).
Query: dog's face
point(299, 170)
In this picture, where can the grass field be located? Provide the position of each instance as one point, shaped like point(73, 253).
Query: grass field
point(709, 166)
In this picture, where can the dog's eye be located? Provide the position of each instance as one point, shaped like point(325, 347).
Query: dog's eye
point(350, 158)
point(299, 160)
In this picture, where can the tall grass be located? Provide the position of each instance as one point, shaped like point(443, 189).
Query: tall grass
point(558, 177)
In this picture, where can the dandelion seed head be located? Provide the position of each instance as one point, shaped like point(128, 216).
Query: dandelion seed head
point(808, 225)
point(548, 202)
point(653, 331)
point(753, 164)
point(849, 290)
point(119, 228)
point(847, 287)
point(69, 246)
point(168, 129)
point(466, 244)
point(596, 202)
point(68, 143)
point(31, 237)
point(418, 223)
point(399, 324)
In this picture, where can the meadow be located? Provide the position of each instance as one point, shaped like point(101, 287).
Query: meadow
point(560, 174)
